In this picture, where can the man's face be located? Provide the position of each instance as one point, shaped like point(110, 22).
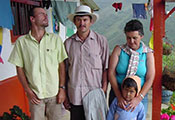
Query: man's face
point(82, 23)
point(40, 17)
point(128, 93)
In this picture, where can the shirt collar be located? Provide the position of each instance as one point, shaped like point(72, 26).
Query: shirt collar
point(30, 35)
point(91, 36)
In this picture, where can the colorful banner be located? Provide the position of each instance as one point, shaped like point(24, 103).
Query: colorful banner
point(139, 11)
point(1, 61)
point(7, 19)
point(151, 42)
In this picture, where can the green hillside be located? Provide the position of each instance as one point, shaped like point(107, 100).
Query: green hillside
point(111, 23)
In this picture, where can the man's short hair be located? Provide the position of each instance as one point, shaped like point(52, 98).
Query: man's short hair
point(82, 16)
point(31, 13)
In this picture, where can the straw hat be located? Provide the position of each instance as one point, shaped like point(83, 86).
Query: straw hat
point(83, 10)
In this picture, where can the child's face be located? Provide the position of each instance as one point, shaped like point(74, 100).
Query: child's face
point(128, 93)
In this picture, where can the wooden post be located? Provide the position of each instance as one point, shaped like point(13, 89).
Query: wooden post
point(159, 32)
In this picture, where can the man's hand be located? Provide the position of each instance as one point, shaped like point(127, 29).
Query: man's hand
point(61, 96)
point(32, 97)
point(67, 104)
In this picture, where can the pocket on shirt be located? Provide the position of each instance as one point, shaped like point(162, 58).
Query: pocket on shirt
point(51, 56)
point(95, 60)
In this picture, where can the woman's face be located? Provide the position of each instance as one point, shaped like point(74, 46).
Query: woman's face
point(133, 39)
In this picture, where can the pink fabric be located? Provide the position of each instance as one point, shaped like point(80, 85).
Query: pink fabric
point(134, 59)
point(1, 61)
point(133, 62)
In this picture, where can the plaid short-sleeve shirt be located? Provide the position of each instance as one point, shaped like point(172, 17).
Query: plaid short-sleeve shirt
point(86, 62)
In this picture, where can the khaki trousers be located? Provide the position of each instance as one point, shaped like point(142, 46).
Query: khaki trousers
point(48, 108)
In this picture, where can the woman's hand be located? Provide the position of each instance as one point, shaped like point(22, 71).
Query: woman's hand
point(122, 103)
point(133, 103)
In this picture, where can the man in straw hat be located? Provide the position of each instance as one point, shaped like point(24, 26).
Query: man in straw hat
point(87, 62)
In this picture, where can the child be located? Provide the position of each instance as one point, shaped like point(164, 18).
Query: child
point(130, 88)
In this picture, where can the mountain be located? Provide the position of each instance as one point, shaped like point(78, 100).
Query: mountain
point(111, 23)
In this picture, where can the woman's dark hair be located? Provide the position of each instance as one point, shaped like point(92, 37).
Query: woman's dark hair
point(134, 25)
point(129, 82)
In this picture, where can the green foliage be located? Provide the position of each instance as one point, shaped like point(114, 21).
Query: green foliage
point(167, 45)
point(172, 100)
point(168, 61)
point(170, 110)
point(15, 114)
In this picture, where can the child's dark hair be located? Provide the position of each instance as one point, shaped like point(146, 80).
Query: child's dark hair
point(129, 82)
point(134, 25)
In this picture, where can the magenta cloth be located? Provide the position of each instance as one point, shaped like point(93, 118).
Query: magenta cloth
point(151, 24)
point(1, 61)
